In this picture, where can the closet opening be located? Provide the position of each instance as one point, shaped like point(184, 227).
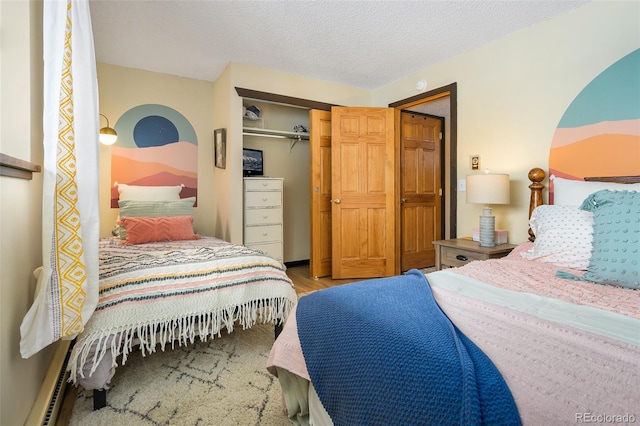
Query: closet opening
point(442, 102)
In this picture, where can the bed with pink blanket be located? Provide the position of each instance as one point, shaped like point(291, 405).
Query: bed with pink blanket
point(560, 323)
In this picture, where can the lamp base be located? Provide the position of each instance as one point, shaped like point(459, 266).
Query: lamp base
point(487, 229)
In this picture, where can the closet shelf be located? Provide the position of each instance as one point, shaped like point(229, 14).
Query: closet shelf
point(294, 136)
point(255, 131)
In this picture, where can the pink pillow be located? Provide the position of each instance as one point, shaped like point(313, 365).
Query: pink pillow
point(142, 230)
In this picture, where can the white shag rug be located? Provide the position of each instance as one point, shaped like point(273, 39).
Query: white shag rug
point(223, 381)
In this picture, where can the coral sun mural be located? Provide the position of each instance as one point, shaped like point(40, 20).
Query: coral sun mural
point(599, 134)
point(156, 146)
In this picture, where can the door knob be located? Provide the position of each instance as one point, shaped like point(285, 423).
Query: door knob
point(337, 201)
point(403, 200)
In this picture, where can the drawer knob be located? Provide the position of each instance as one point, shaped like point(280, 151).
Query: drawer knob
point(264, 234)
point(264, 199)
point(264, 184)
point(265, 216)
point(462, 258)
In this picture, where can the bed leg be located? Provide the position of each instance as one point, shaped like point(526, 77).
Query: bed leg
point(99, 399)
point(278, 329)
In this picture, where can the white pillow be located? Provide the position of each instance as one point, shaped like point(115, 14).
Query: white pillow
point(568, 192)
point(148, 193)
point(564, 236)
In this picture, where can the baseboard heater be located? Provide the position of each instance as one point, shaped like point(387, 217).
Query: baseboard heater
point(46, 406)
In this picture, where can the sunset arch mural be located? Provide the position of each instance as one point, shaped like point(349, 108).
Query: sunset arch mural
point(157, 146)
point(599, 134)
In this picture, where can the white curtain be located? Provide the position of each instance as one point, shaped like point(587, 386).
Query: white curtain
point(67, 289)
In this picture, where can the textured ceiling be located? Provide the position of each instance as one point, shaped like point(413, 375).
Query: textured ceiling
point(364, 44)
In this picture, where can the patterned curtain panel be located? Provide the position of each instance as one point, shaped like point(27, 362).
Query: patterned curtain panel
point(67, 289)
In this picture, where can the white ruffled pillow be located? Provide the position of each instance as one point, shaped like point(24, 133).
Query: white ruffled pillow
point(564, 236)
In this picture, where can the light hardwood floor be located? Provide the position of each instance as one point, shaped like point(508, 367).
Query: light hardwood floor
point(303, 284)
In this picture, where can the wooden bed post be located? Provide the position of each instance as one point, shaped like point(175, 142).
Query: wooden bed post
point(536, 176)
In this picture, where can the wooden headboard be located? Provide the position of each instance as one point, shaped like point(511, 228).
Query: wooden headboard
point(616, 179)
point(537, 175)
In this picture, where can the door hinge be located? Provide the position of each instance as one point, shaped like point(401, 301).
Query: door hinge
point(440, 136)
point(440, 192)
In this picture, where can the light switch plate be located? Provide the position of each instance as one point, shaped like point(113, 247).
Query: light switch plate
point(462, 185)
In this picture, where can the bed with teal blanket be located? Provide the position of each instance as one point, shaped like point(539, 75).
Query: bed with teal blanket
point(447, 379)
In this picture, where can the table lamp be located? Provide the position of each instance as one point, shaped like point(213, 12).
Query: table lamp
point(488, 188)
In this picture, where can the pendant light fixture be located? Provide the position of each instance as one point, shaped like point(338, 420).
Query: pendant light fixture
point(108, 136)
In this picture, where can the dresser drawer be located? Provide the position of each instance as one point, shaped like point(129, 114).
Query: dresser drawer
point(262, 234)
point(273, 250)
point(458, 257)
point(263, 184)
point(263, 216)
point(262, 199)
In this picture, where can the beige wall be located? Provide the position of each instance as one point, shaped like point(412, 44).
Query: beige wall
point(21, 205)
point(226, 181)
point(511, 95)
point(121, 89)
point(208, 106)
point(513, 92)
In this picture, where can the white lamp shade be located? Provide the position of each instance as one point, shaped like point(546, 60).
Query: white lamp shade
point(488, 188)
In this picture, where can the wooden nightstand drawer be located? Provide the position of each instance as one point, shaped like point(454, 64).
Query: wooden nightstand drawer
point(457, 252)
point(457, 257)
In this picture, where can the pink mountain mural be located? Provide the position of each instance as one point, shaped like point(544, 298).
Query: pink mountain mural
point(166, 165)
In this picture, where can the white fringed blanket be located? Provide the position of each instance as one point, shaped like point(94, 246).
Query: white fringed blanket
point(159, 293)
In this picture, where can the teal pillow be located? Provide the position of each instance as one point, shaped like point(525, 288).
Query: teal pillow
point(139, 208)
point(615, 257)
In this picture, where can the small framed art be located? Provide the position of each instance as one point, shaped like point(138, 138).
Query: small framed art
point(220, 148)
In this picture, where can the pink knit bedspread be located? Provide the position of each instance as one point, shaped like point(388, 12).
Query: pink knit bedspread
point(558, 374)
point(533, 276)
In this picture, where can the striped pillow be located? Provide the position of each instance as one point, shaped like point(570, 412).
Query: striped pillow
point(138, 208)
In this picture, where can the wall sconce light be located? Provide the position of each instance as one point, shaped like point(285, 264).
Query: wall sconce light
point(108, 136)
point(488, 189)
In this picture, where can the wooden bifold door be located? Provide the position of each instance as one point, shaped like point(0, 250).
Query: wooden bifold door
point(356, 196)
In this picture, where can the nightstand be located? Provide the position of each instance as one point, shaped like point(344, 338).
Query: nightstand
point(459, 251)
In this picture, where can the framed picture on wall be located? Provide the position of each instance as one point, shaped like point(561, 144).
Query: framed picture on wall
point(220, 148)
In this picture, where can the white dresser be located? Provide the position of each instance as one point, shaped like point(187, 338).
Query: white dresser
point(263, 215)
